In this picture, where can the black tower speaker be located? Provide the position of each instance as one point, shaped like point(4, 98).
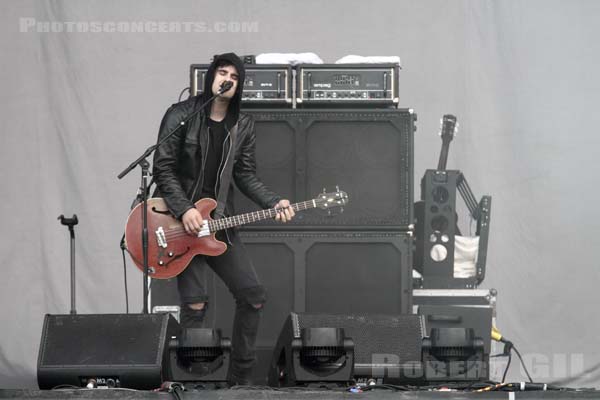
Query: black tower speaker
point(115, 350)
point(435, 228)
point(385, 346)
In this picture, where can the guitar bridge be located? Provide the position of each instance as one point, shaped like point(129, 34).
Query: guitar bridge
point(161, 238)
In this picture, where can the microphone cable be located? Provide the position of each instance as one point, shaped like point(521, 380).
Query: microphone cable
point(508, 348)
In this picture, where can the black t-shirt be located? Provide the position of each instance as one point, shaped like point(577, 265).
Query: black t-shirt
point(214, 157)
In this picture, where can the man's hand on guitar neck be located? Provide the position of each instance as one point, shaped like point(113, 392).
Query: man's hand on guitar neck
point(192, 221)
point(287, 213)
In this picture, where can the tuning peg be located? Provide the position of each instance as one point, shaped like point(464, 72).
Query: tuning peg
point(337, 188)
point(324, 190)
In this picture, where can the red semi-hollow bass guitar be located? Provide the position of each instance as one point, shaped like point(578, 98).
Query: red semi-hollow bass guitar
point(170, 248)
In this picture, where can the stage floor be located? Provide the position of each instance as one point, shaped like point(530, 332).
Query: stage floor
point(286, 394)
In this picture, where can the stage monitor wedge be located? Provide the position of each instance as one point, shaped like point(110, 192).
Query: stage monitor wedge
point(112, 350)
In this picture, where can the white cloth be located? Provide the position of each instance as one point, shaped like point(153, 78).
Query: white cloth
point(466, 249)
point(353, 59)
point(288, 58)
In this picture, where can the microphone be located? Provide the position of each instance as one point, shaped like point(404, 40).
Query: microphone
point(225, 86)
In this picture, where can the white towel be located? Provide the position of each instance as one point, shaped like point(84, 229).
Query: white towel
point(288, 58)
point(353, 59)
point(466, 249)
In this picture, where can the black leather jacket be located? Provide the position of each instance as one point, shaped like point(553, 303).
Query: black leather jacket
point(178, 163)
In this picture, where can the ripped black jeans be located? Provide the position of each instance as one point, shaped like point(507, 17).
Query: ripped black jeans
point(235, 268)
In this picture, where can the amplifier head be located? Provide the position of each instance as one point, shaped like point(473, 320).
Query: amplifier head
point(347, 84)
point(265, 84)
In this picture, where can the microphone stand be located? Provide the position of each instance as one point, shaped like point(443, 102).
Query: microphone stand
point(71, 222)
point(145, 165)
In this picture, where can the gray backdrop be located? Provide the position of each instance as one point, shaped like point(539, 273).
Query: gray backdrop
point(522, 77)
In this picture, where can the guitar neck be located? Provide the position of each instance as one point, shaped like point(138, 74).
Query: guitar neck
point(443, 161)
point(447, 133)
point(242, 219)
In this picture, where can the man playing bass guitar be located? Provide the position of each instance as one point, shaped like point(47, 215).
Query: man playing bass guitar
point(203, 159)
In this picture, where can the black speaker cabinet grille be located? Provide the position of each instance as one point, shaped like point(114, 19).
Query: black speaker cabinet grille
point(368, 154)
point(334, 272)
point(85, 340)
point(127, 348)
point(357, 272)
point(374, 335)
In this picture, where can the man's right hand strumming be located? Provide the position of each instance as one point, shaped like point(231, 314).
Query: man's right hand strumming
point(192, 221)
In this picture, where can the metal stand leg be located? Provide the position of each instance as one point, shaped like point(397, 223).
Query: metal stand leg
point(71, 222)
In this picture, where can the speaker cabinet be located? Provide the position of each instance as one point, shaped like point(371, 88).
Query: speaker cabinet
point(118, 350)
point(436, 229)
point(385, 346)
point(367, 153)
point(333, 272)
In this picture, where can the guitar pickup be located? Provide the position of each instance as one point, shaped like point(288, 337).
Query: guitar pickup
point(161, 238)
point(205, 230)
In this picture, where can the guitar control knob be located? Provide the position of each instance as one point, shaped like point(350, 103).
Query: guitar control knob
point(170, 254)
point(161, 263)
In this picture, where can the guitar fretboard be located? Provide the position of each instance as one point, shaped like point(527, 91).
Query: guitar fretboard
point(443, 161)
point(237, 220)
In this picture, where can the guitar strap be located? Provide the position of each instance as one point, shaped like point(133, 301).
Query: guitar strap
point(227, 173)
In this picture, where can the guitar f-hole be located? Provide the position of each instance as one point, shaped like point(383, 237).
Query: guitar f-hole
point(164, 212)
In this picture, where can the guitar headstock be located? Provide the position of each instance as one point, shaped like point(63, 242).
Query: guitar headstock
point(331, 201)
point(448, 128)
